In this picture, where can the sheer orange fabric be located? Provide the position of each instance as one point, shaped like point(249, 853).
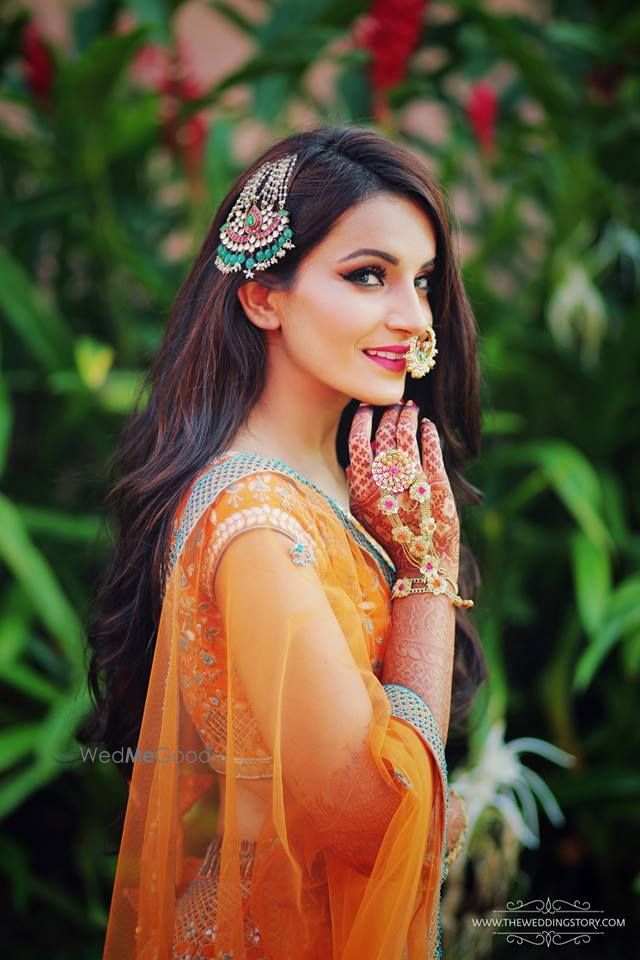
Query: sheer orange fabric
point(277, 808)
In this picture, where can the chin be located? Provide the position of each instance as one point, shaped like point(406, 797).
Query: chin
point(381, 398)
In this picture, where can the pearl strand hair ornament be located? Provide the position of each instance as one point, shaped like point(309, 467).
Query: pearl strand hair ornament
point(256, 233)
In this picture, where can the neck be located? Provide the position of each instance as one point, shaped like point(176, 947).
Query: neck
point(302, 434)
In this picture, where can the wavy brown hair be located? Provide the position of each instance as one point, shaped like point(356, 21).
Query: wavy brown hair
point(209, 373)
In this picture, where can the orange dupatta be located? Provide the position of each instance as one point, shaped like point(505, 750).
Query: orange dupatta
point(273, 681)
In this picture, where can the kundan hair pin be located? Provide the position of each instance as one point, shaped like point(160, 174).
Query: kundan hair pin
point(257, 232)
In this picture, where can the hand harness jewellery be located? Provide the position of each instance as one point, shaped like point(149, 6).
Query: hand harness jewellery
point(394, 471)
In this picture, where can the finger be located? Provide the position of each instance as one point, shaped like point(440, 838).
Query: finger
point(386, 432)
point(432, 462)
point(406, 433)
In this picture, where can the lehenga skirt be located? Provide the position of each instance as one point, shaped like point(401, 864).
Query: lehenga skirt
point(197, 909)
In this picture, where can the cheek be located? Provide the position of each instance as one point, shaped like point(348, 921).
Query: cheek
point(324, 316)
point(331, 320)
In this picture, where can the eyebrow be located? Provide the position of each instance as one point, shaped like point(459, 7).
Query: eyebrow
point(389, 257)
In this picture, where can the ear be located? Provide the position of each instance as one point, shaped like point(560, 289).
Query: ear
point(260, 303)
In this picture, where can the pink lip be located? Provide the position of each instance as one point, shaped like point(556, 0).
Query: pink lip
point(397, 365)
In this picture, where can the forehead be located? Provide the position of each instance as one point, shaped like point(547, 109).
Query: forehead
point(395, 224)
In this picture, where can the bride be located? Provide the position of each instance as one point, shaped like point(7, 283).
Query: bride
point(283, 633)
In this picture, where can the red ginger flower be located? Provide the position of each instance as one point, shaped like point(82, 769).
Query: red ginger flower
point(482, 110)
point(159, 69)
point(39, 67)
point(390, 31)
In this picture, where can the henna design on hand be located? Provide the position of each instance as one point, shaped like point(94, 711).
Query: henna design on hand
point(398, 428)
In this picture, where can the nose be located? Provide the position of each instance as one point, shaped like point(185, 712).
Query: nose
point(410, 312)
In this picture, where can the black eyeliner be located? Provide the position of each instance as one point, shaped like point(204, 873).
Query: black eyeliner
point(379, 272)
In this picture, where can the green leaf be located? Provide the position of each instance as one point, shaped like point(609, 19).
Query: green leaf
point(14, 624)
point(33, 572)
point(592, 578)
point(580, 36)
point(233, 15)
point(84, 84)
point(6, 422)
point(120, 391)
point(354, 92)
point(622, 618)
point(34, 321)
point(219, 166)
point(502, 421)
point(520, 42)
point(89, 20)
point(574, 481)
point(154, 14)
point(17, 743)
point(22, 677)
point(17, 788)
point(270, 95)
point(67, 527)
point(130, 125)
point(37, 208)
point(631, 655)
point(93, 360)
point(55, 735)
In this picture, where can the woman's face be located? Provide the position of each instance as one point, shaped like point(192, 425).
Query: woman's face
point(366, 286)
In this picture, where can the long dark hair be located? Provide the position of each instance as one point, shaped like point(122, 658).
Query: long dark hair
point(209, 373)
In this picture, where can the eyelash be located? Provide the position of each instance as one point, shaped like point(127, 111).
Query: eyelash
point(380, 273)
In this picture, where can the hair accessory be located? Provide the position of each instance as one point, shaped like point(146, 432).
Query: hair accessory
point(257, 232)
point(421, 357)
point(393, 471)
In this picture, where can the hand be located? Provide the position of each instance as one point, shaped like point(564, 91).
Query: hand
point(398, 427)
point(455, 821)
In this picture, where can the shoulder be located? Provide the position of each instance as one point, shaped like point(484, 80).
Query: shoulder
point(262, 498)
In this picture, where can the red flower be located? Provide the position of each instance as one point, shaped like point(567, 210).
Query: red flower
point(390, 31)
point(168, 73)
point(39, 67)
point(151, 66)
point(482, 110)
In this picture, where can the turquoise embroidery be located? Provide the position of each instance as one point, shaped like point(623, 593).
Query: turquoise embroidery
point(407, 705)
point(221, 474)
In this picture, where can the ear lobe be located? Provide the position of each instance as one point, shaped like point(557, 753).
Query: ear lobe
point(258, 303)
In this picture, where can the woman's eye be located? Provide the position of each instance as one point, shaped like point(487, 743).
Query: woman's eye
point(359, 276)
point(363, 276)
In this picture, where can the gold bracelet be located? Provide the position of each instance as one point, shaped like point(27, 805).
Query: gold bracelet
point(394, 471)
point(437, 584)
point(455, 851)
